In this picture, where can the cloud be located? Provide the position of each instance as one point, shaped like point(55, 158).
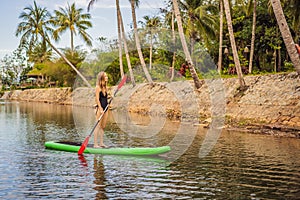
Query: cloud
point(56, 4)
point(103, 4)
point(5, 50)
point(98, 17)
point(100, 4)
point(146, 4)
point(156, 4)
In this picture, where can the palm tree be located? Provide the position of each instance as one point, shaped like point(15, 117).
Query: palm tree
point(119, 34)
point(72, 19)
point(35, 28)
point(294, 7)
point(221, 37)
point(185, 47)
point(233, 45)
point(40, 53)
point(134, 3)
point(286, 34)
point(200, 21)
point(122, 38)
point(246, 8)
point(170, 22)
point(151, 23)
point(173, 43)
point(253, 37)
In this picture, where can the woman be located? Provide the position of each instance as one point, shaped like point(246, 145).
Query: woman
point(102, 103)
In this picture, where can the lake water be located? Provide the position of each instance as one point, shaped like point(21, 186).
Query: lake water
point(238, 165)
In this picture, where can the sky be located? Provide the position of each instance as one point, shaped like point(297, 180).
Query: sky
point(103, 15)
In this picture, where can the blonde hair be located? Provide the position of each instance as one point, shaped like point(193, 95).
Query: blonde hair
point(101, 82)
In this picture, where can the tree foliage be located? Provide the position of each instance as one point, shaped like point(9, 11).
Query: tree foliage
point(14, 67)
point(200, 24)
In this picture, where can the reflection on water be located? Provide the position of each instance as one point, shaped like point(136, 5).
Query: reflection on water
point(240, 166)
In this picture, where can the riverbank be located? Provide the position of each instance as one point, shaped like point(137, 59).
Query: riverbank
point(271, 103)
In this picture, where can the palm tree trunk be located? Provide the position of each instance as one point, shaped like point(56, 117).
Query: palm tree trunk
point(275, 60)
point(72, 42)
point(279, 60)
point(126, 48)
point(286, 34)
point(192, 43)
point(173, 66)
point(120, 39)
point(173, 43)
point(150, 56)
point(138, 45)
point(185, 47)
point(233, 45)
point(192, 32)
point(253, 37)
point(69, 63)
point(221, 37)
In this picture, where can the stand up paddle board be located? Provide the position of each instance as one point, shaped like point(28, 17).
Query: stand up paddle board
point(137, 151)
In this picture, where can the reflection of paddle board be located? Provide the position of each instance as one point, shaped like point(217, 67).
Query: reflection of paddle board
point(137, 151)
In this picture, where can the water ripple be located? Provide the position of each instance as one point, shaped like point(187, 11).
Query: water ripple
point(240, 166)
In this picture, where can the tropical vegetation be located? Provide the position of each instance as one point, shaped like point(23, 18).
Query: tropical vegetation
point(212, 38)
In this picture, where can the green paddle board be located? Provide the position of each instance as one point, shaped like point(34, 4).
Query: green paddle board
point(137, 151)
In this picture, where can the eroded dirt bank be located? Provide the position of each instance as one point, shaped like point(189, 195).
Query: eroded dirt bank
point(271, 102)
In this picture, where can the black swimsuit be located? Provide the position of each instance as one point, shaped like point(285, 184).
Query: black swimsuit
point(103, 100)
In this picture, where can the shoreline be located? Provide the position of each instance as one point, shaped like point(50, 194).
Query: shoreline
point(270, 105)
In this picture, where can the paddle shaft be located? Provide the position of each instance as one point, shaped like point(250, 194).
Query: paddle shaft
point(106, 108)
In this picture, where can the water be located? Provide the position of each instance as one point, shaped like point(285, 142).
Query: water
point(240, 166)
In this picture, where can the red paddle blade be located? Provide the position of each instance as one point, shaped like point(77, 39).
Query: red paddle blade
point(84, 145)
point(122, 82)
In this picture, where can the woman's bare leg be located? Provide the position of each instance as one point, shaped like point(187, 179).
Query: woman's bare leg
point(97, 130)
point(102, 126)
point(96, 134)
point(101, 133)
